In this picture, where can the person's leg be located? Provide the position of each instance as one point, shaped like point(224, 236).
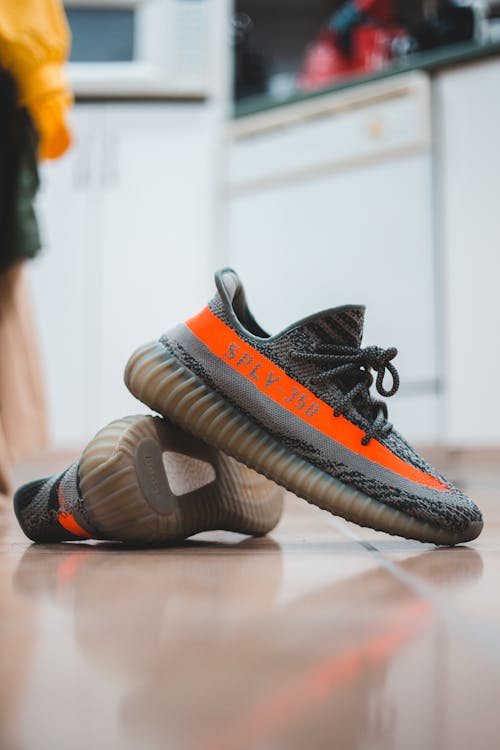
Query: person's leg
point(22, 403)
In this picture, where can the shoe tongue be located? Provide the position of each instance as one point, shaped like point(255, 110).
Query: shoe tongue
point(342, 326)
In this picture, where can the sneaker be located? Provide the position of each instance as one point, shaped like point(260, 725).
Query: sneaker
point(296, 407)
point(143, 480)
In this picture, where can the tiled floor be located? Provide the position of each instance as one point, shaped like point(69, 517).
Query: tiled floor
point(324, 636)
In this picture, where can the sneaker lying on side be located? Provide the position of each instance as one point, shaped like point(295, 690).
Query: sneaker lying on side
point(144, 480)
point(296, 406)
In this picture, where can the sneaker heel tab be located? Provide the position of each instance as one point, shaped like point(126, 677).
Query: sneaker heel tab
point(228, 284)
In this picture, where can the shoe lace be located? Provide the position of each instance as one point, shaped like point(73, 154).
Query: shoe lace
point(353, 366)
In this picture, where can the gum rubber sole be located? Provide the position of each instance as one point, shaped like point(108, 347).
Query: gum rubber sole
point(159, 380)
point(126, 485)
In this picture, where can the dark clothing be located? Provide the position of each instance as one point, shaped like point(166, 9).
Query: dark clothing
point(19, 179)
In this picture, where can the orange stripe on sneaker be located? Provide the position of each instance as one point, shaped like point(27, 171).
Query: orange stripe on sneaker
point(67, 520)
point(70, 524)
point(272, 381)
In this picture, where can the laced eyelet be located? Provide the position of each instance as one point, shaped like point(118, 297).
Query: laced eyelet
point(337, 361)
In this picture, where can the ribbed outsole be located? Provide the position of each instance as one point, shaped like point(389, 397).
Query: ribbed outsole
point(128, 496)
point(159, 380)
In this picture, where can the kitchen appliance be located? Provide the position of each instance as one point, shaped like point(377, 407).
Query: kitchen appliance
point(142, 48)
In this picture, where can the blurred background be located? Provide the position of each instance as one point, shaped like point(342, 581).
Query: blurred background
point(332, 152)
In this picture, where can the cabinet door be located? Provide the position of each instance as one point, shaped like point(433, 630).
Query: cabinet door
point(469, 108)
point(63, 283)
point(155, 210)
point(362, 235)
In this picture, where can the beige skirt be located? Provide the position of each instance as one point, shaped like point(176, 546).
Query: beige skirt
point(23, 425)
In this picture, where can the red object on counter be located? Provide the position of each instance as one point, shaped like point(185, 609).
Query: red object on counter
point(324, 62)
point(371, 49)
point(372, 34)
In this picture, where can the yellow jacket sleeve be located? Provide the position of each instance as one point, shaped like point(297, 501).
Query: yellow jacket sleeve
point(34, 45)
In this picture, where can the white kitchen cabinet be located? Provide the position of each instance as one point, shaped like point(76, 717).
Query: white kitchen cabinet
point(156, 231)
point(343, 214)
point(64, 285)
point(468, 114)
point(128, 225)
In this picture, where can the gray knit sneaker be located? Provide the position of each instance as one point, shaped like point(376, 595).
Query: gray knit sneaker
point(296, 407)
point(144, 480)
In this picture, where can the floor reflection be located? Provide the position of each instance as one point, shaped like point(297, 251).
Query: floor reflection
point(18, 640)
point(206, 658)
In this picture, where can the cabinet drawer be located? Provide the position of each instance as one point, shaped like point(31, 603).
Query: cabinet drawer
point(335, 131)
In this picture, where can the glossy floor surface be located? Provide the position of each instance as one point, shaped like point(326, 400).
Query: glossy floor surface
point(322, 636)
